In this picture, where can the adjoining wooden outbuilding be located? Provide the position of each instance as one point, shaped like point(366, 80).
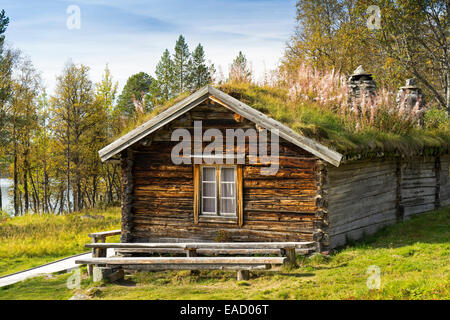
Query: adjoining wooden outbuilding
point(317, 194)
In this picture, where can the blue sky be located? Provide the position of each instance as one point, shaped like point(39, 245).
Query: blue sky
point(131, 35)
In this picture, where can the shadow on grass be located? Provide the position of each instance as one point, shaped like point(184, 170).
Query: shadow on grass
point(297, 275)
point(125, 283)
point(432, 228)
point(342, 265)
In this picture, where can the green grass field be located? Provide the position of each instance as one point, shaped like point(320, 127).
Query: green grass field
point(413, 257)
point(33, 240)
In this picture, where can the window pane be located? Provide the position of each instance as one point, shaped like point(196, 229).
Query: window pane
point(227, 174)
point(228, 206)
point(209, 205)
point(209, 189)
point(228, 190)
point(209, 174)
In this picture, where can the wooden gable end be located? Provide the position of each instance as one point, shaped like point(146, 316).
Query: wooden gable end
point(165, 200)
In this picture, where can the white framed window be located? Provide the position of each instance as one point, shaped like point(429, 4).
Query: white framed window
point(218, 190)
point(209, 190)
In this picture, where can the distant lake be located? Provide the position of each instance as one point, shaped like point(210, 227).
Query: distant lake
point(6, 185)
point(7, 205)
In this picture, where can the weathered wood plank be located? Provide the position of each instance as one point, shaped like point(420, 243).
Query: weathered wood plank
point(105, 234)
point(184, 260)
point(210, 252)
point(365, 195)
point(156, 267)
point(205, 245)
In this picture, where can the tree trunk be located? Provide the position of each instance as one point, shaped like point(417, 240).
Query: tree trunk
point(46, 197)
point(61, 203)
point(45, 200)
point(1, 200)
point(15, 187)
point(94, 190)
point(68, 168)
point(25, 189)
point(110, 184)
point(36, 203)
point(20, 204)
point(448, 93)
point(78, 196)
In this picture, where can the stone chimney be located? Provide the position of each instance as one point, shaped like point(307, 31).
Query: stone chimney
point(410, 94)
point(360, 82)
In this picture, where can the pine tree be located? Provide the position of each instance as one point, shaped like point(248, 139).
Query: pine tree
point(165, 77)
point(212, 72)
point(4, 21)
point(182, 66)
point(135, 92)
point(5, 89)
point(239, 69)
point(200, 73)
point(6, 65)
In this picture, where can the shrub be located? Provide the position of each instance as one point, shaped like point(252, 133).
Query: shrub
point(437, 118)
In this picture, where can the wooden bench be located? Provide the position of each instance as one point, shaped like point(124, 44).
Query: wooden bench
point(240, 264)
point(287, 249)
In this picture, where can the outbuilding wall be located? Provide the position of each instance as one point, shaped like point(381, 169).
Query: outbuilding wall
point(364, 196)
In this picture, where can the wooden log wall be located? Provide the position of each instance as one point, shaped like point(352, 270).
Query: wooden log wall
point(127, 164)
point(321, 235)
point(280, 207)
point(419, 185)
point(364, 196)
point(444, 180)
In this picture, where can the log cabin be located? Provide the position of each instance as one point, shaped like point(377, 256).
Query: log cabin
point(316, 194)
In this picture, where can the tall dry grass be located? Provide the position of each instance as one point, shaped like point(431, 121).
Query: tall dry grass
point(328, 89)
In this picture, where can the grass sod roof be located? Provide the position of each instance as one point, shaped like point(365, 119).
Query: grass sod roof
point(325, 126)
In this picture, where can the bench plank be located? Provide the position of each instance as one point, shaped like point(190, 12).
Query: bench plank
point(162, 267)
point(185, 260)
point(105, 234)
point(209, 251)
point(205, 245)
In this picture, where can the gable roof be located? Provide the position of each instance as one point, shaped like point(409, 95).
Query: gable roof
point(209, 92)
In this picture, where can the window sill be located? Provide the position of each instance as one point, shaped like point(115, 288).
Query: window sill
point(219, 219)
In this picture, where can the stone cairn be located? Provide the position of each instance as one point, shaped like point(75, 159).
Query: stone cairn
point(360, 82)
point(410, 95)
